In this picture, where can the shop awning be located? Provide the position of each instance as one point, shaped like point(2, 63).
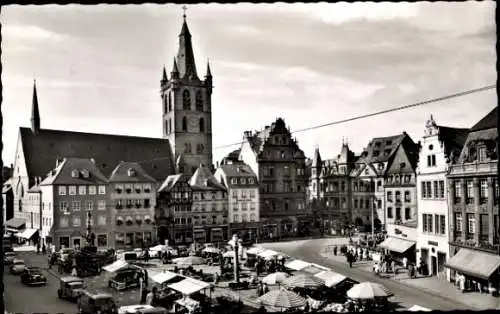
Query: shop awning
point(163, 277)
point(15, 223)
point(27, 233)
point(255, 250)
point(268, 253)
point(311, 269)
point(120, 264)
point(330, 278)
point(474, 263)
point(297, 264)
point(189, 286)
point(397, 245)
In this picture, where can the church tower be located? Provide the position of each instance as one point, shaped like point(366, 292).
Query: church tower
point(187, 108)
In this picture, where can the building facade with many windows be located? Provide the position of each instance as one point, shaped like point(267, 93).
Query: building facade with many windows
point(279, 163)
point(473, 204)
point(77, 193)
point(437, 145)
point(210, 207)
point(243, 198)
point(133, 200)
point(174, 213)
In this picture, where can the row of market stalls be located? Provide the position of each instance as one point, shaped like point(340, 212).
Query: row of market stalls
point(16, 227)
point(319, 288)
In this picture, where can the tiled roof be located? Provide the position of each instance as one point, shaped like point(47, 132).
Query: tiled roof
point(380, 149)
point(453, 139)
point(122, 173)
point(232, 156)
point(488, 122)
point(72, 171)
point(172, 180)
point(42, 150)
point(259, 138)
point(240, 170)
point(203, 179)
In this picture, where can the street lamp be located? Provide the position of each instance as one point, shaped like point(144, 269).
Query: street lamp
point(236, 242)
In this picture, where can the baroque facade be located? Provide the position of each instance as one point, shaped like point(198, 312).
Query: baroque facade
point(438, 143)
point(279, 163)
point(473, 204)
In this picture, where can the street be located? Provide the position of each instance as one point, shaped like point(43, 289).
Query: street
point(23, 299)
point(405, 296)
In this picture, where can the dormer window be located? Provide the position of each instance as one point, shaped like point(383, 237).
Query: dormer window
point(128, 188)
point(75, 173)
point(234, 181)
point(377, 144)
point(243, 181)
point(146, 188)
point(250, 181)
point(388, 143)
point(376, 153)
point(85, 173)
point(380, 166)
point(131, 172)
point(387, 152)
point(137, 188)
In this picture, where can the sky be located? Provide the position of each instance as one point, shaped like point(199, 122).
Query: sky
point(98, 68)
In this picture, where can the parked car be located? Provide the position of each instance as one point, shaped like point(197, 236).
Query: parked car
point(100, 303)
point(70, 287)
point(65, 254)
point(124, 279)
point(17, 267)
point(33, 276)
point(9, 257)
point(142, 309)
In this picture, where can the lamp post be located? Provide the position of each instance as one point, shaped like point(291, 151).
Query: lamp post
point(235, 243)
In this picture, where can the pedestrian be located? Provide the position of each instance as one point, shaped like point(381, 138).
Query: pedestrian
point(144, 294)
point(335, 250)
point(150, 297)
point(74, 273)
point(44, 249)
point(405, 262)
point(216, 278)
point(462, 284)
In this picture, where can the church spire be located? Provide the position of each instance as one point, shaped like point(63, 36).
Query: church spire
point(175, 71)
point(209, 73)
point(185, 55)
point(35, 112)
point(164, 77)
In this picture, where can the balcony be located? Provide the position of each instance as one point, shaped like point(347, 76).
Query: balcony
point(480, 246)
point(475, 168)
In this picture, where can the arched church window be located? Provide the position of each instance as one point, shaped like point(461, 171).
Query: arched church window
point(186, 100)
point(199, 101)
point(184, 124)
point(202, 125)
point(170, 101)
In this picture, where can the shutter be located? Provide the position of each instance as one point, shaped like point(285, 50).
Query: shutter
point(484, 225)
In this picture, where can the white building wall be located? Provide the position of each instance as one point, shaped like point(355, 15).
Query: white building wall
point(48, 214)
point(434, 242)
point(247, 155)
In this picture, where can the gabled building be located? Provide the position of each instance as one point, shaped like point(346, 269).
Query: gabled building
point(439, 143)
point(279, 163)
point(132, 193)
point(473, 204)
point(210, 207)
point(331, 191)
point(243, 198)
point(174, 214)
point(75, 194)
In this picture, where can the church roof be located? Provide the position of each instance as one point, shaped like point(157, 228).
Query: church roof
point(488, 122)
point(75, 171)
point(130, 172)
point(43, 149)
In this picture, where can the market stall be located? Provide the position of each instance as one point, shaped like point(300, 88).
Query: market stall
point(277, 300)
point(297, 264)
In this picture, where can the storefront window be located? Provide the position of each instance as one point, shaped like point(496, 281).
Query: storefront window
point(120, 238)
point(129, 239)
point(147, 237)
point(64, 242)
point(138, 238)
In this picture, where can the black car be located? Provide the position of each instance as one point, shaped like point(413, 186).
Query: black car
point(33, 276)
point(124, 280)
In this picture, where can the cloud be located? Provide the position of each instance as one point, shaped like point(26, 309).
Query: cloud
point(29, 32)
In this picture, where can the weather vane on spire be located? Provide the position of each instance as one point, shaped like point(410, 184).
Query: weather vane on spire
point(184, 8)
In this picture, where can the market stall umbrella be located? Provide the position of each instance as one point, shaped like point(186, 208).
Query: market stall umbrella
point(282, 298)
point(211, 249)
point(303, 280)
point(189, 261)
point(368, 290)
point(275, 278)
point(418, 308)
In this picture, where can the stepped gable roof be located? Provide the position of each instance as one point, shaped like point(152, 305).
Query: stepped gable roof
point(43, 149)
point(203, 179)
point(172, 180)
point(487, 122)
point(259, 138)
point(130, 172)
point(381, 149)
point(453, 138)
point(238, 170)
point(75, 171)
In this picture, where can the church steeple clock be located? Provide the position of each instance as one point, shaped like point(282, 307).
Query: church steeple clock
point(187, 107)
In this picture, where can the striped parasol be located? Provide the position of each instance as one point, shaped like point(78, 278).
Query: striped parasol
point(282, 298)
point(368, 290)
point(303, 280)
